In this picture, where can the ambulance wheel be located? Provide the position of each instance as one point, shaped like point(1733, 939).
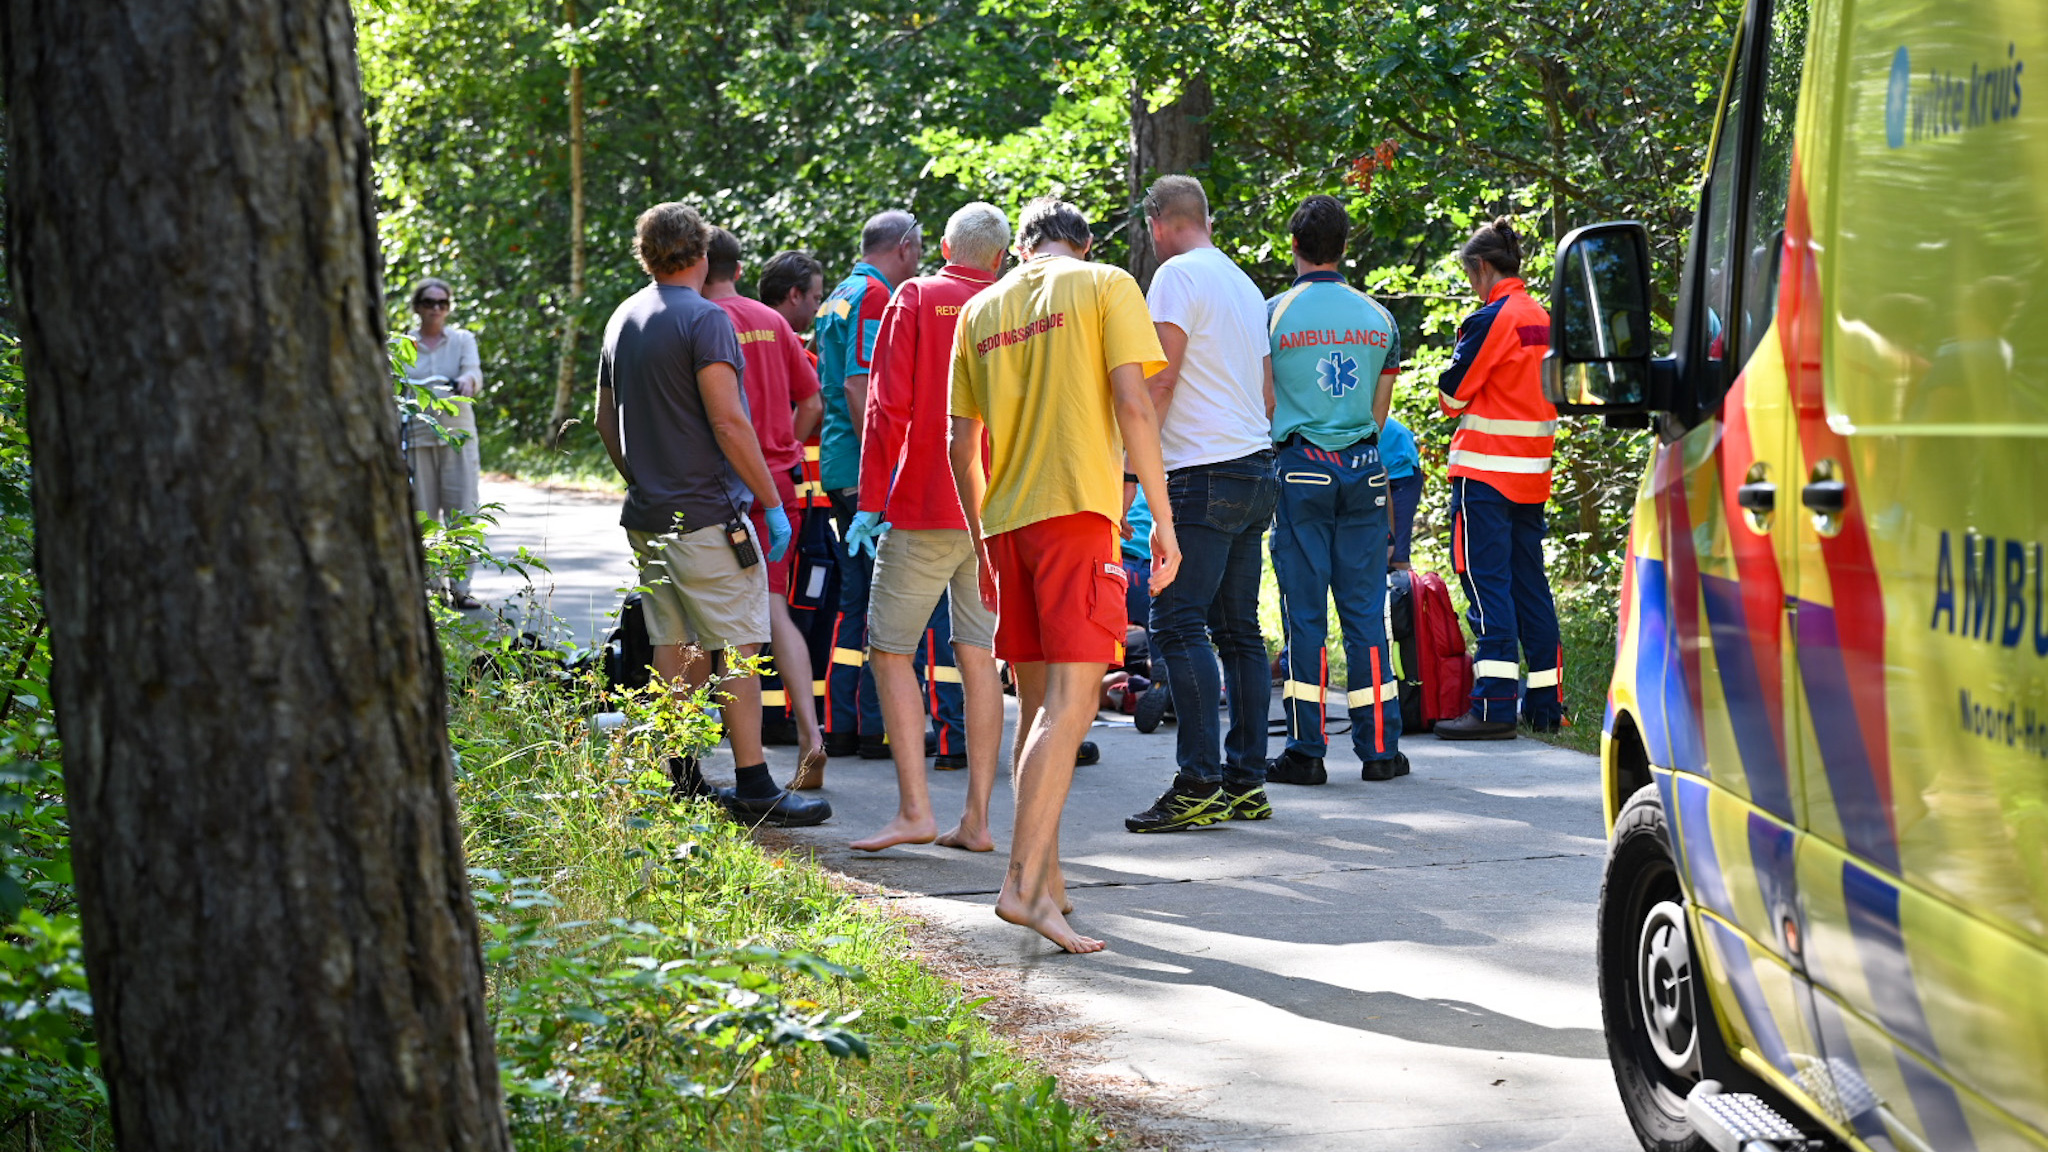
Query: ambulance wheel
point(1660, 1026)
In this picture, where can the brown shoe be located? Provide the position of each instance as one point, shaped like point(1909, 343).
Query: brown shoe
point(810, 771)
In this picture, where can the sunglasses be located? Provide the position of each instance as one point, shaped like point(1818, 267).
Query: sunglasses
point(434, 302)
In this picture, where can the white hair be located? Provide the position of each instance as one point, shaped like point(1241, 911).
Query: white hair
point(977, 234)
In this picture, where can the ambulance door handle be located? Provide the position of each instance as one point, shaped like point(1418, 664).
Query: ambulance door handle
point(1825, 497)
point(1760, 497)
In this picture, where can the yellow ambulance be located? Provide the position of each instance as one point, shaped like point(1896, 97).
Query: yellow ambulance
point(1825, 911)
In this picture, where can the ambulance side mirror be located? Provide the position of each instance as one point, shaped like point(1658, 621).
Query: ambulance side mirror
point(1600, 339)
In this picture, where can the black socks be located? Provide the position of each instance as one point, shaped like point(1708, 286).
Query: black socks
point(754, 783)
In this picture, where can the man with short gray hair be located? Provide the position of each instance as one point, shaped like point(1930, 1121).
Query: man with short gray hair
point(926, 558)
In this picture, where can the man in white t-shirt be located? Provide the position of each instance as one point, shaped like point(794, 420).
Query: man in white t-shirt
point(1215, 402)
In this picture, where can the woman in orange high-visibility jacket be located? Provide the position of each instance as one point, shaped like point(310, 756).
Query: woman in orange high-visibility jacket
point(1500, 478)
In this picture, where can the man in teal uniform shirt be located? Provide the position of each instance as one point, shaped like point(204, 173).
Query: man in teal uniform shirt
point(1336, 353)
point(891, 246)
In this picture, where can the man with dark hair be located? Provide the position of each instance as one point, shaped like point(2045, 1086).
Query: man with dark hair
point(1213, 396)
point(1052, 362)
point(792, 283)
point(848, 325)
point(782, 393)
point(1336, 354)
point(674, 420)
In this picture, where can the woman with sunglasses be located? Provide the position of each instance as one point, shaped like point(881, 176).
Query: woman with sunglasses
point(444, 473)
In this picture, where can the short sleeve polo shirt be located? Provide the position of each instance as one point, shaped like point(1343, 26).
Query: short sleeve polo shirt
point(848, 325)
point(1330, 344)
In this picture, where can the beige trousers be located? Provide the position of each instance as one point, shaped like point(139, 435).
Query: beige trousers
point(444, 480)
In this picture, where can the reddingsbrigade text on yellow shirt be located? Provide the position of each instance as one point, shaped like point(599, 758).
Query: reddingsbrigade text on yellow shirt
point(1031, 360)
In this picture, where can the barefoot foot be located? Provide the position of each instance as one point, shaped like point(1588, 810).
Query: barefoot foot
point(1043, 917)
point(901, 830)
point(969, 840)
point(810, 771)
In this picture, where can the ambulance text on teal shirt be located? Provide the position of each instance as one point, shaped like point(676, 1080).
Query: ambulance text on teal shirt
point(1330, 343)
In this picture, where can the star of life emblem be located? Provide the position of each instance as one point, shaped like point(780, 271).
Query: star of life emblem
point(1337, 374)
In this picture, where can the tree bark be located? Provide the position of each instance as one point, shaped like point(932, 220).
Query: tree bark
point(565, 368)
point(1169, 140)
point(278, 927)
point(1556, 77)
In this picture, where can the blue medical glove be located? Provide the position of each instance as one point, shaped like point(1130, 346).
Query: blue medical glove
point(865, 531)
point(778, 533)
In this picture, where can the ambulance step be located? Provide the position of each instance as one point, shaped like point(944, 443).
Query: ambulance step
point(1742, 1122)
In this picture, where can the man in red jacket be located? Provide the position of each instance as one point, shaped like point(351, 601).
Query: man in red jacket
point(908, 501)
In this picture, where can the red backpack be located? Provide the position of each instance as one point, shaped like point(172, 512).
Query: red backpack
point(1436, 667)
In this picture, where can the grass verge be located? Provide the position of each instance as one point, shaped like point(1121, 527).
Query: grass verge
point(659, 980)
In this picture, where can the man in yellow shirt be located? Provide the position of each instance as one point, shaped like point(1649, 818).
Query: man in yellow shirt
point(1053, 361)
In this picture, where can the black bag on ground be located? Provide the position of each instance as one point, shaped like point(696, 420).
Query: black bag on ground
point(1401, 636)
point(628, 653)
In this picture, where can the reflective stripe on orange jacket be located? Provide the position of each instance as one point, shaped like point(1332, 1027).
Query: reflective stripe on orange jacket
point(1494, 387)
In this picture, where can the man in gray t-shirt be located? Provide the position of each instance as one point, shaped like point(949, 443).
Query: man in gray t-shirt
point(674, 419)
point(655, 346)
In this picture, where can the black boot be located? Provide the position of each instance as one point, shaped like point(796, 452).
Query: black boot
point(1471, 727)
point(1385, 769)
point(1292, 767)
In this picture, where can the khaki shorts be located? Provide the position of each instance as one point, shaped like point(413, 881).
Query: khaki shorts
point(697, 593)
point(912, 569)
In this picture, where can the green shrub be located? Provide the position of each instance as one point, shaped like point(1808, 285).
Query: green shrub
point(661, 981)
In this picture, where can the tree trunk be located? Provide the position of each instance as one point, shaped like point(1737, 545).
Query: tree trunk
point(278, 927)
point(565, 368)
point(1556, 76)
point(1170, 140)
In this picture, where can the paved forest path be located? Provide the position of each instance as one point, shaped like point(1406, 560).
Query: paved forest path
point(1395, 966)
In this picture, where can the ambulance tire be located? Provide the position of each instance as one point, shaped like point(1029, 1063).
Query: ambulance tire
point(1641, 876)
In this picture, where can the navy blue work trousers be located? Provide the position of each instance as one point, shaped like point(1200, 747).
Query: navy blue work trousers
point(1330, 538)
point(852, 702)
point(1497, 549)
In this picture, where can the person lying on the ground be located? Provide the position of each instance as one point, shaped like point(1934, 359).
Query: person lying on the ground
point(908, 500)
point(1051, 362)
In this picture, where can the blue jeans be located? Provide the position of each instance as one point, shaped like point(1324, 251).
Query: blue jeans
point(1330, 536)
point(1497, 548)
point(1220, 514)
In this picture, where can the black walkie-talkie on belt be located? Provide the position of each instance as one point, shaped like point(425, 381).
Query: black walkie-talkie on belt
point(743, 548)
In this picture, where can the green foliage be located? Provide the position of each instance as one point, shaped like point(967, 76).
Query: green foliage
point(670, 984)
point(788, 123)
point(50, 1090)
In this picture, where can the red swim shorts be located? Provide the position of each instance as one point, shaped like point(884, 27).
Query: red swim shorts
point(1060, 587)
point(779, 571)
